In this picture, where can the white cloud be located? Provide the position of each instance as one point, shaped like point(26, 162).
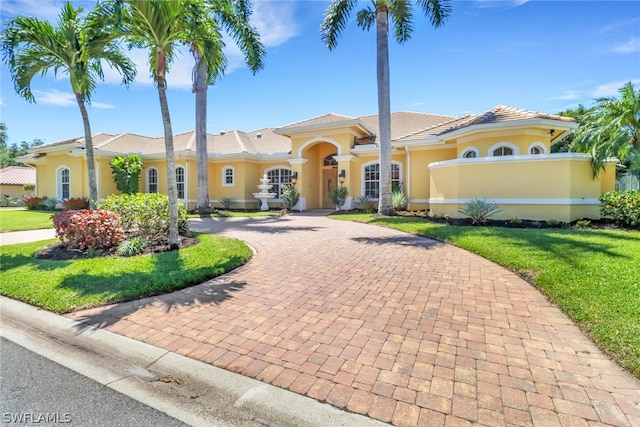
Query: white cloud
point(631, 46)
point(275, 21)
point(47, 10)
point(617, 25)
point(507, 4)
point(63, 99)
point(570, 95)
point(606, 90)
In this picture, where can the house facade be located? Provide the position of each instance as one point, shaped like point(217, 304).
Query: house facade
point(441, 162)
point(13, 179)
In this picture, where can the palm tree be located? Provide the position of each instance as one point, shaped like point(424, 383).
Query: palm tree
point(160, 26)
point(401, 13)
point(77, 46)
point(3, 135)
point(611, 129)
point(233, 16)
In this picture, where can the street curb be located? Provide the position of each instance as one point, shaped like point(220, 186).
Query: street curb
point(131, 366)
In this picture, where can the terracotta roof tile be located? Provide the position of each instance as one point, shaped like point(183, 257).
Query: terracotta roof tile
point(17, 175)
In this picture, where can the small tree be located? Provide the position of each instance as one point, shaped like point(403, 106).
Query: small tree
point(29, 188)
point(290, 196)
point(338, 195)
point(126, 173)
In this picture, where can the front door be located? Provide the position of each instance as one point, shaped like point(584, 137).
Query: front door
point(329, 180)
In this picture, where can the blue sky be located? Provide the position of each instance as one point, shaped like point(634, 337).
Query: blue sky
point(539, 55)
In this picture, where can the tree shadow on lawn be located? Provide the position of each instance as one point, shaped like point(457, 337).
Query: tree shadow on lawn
point(136, 290)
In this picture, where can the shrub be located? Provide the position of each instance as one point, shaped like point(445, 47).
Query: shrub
point(367, 204)
point(144, 215)
point(126, 173)
point(50, 204)
point(290, 196)
point(29, 187)
point(338, 195)
point(479, 210)
point(583, 223)
point(132, 247)
point(516, 221)
point(88, 229)
point(75, 203)
point(399, 200)
point(536, 224)
point(227, 202)
point(34, 202)
point(554, 223)
point(622, 206)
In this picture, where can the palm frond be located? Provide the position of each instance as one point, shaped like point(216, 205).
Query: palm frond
point(436, 10)
point(335, 21)
point(402, 19)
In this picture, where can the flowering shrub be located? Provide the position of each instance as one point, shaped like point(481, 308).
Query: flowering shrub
point(88, 229)
point(622, 206)
point(75, 203)
point(34, 202)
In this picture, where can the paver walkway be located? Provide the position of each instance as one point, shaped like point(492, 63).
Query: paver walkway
point(400, 328)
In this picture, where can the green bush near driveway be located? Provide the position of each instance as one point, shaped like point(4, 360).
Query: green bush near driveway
point(593, 275)
point(63, 286)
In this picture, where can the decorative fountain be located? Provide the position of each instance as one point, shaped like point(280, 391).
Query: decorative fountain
point(264, 194)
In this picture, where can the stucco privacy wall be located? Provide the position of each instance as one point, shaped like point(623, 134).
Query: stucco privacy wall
point(540, 187)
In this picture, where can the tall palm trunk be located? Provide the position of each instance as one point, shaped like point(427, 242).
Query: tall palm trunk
point(174, 238)
point(202, 164)
point(88, 142)
point(384, 108)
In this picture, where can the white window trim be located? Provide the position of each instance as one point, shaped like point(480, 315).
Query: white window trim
point(539, 145)
point(59, 170)
point(146, 178)
point(373, 162)
point(468, 150)
point(224, 176)
point(266, 171)
point(513, 147)
point(186, 180)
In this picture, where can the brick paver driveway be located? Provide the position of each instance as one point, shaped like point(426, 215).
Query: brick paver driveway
point(400, 328)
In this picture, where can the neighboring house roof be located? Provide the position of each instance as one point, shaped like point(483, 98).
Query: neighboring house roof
point(405, 126)
point(17, 175)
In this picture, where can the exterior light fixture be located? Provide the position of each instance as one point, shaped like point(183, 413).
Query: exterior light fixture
point(294, 178)
point(342, 176)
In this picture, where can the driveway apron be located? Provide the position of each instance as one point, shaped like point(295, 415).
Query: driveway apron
point(401, 328)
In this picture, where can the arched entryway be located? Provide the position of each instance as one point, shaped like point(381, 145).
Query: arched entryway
point(319, 173)
point(329, 179)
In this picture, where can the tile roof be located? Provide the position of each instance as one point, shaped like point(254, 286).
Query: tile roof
point(17, 175)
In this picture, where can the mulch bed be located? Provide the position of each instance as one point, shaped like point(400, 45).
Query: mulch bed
point(60, 252)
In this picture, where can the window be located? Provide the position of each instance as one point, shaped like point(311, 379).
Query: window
point(470, 153)
point(278, 177)
point(64, 183)
point(180, 181)
point(372, 179)
point(152, 180)
point(535, 150)
point(330, 161)
point(503, 151)
point(228, 177)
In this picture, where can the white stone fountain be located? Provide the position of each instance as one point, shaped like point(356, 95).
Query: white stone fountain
point(264, 194)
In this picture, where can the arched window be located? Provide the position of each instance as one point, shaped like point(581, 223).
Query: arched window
point(371, 178)
point(536, 148)
point(503, 149)
point(330, 161)
point(152, 180)
point(63, 183)
point(180, 182)
point(470, 153)
point(228, 176)
point(278, 177)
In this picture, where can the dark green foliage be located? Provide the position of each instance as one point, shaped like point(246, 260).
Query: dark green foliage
point(622, 206)
point(338, 195)
point(144, 215)
point(126, 173)
point(132, 247)
point(479, 210)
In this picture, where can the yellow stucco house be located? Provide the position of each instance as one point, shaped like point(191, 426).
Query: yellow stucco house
point(503, 155)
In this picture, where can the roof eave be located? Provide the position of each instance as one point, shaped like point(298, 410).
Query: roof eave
point(550, 123)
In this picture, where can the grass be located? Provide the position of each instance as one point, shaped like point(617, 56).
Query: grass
point(593, 275)
point(64, 286)
point(20, 219)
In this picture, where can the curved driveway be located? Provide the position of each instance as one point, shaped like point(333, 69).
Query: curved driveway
point(397, 327)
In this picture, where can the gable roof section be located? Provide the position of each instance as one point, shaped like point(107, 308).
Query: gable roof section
point(17, 175)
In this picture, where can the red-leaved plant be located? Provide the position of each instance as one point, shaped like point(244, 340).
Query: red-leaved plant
point(88, 229)
point(75, 203)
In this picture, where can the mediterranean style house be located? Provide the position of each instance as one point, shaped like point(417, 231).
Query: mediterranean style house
point(502, 155)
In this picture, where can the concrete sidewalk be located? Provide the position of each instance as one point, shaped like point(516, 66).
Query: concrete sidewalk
point(26, 236)
point(396, 327)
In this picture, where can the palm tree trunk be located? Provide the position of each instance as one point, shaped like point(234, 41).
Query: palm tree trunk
point(202, 164)
point(88, 143)
point(174, 238)
point(384, 108)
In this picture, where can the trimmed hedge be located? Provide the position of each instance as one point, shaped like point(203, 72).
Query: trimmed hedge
point(621, 206)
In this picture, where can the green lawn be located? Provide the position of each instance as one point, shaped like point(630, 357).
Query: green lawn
point(63, 286)
point(593, 275)
point(20, 219)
